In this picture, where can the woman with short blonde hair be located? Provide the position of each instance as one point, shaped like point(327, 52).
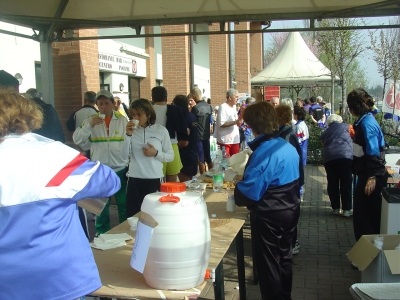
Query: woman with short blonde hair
point(18, 114)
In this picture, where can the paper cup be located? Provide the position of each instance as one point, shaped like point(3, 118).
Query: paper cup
point(133, 222)
point(103, 116)
point(135, 123)
point(203, 186)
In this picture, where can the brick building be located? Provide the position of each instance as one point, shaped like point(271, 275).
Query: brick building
point(129, 68)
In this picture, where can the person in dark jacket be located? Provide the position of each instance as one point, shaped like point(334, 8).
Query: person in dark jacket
point(187, 149)
point(173, 118)
point(338, 155)
point(8, 81)
point(286, 131)
point(270, 190)
point(368, 164)
point(203, 113)
point(51, 127)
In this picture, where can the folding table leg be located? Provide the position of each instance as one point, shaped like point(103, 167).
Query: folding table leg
point(219, 292)
point(240, 264)
point(253, 251)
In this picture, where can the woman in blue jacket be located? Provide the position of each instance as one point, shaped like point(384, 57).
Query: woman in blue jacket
point(368, 164)
point(270, 190)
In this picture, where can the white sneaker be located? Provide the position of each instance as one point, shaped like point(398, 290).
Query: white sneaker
point(347, 213)
point(337, 211)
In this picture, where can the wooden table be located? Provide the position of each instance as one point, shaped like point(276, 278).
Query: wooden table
point(392, 182)
point(120, 280)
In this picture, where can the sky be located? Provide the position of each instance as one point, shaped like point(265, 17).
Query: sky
point(366, 59)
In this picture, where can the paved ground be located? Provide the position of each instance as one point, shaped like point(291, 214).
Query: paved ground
point(321, 270)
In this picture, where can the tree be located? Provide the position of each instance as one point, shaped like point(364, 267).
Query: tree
point(377, 92)
point(356, 76)
point(394, 60)
point(381, 51)
point(341, 48)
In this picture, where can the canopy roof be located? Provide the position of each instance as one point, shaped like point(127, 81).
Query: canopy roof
point(294, 64)
point(59, 15)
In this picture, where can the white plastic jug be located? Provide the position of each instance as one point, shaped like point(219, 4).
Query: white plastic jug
point(180, 246)
point(238, 161)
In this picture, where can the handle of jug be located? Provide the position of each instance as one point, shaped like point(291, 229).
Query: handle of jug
point(170, 198)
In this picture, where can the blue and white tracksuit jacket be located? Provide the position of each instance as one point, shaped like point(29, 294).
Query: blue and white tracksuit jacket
point(271, 177)
point(44, 253)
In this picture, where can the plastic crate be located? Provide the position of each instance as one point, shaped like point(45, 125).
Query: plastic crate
point(392, 195)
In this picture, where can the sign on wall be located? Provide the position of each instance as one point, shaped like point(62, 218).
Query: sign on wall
point(117, 64)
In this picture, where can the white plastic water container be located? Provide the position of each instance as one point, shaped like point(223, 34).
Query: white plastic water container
point(180, 246)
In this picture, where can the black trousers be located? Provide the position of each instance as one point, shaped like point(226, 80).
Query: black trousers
point(367, 209)
point(137, 189)
point(339, 182)
point(273, 233)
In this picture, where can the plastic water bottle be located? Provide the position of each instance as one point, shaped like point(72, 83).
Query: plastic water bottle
point(218, 182)
point(224, 160)
point(217, 164)
point(195, 184)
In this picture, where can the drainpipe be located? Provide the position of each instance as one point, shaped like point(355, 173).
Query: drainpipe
point(191, 60)
point(230, 56)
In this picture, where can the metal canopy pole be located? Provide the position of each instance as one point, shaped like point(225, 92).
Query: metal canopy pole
point(47, 71)
point(46, 56)
point(61, 39)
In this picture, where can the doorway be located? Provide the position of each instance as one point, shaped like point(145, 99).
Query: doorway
point(134, 89)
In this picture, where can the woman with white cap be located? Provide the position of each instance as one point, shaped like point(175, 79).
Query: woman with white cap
point(338, 155)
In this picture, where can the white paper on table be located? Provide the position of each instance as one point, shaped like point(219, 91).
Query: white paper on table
point(117, 236)
point(110, 241)
point(141, 246)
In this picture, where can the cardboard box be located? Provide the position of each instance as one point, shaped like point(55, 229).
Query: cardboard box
point(377, 265)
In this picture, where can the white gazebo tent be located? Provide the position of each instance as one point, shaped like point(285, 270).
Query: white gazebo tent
point(294, 65)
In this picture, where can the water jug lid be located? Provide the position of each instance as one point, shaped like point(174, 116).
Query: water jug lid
point(173, 187)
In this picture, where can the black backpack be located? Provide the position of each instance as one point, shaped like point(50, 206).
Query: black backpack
point(317, 113)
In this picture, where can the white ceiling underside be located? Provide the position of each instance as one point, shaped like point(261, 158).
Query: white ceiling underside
point(77, 14)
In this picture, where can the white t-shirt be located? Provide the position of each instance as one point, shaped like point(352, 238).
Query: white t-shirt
point(230, 134)
point(161, 118)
